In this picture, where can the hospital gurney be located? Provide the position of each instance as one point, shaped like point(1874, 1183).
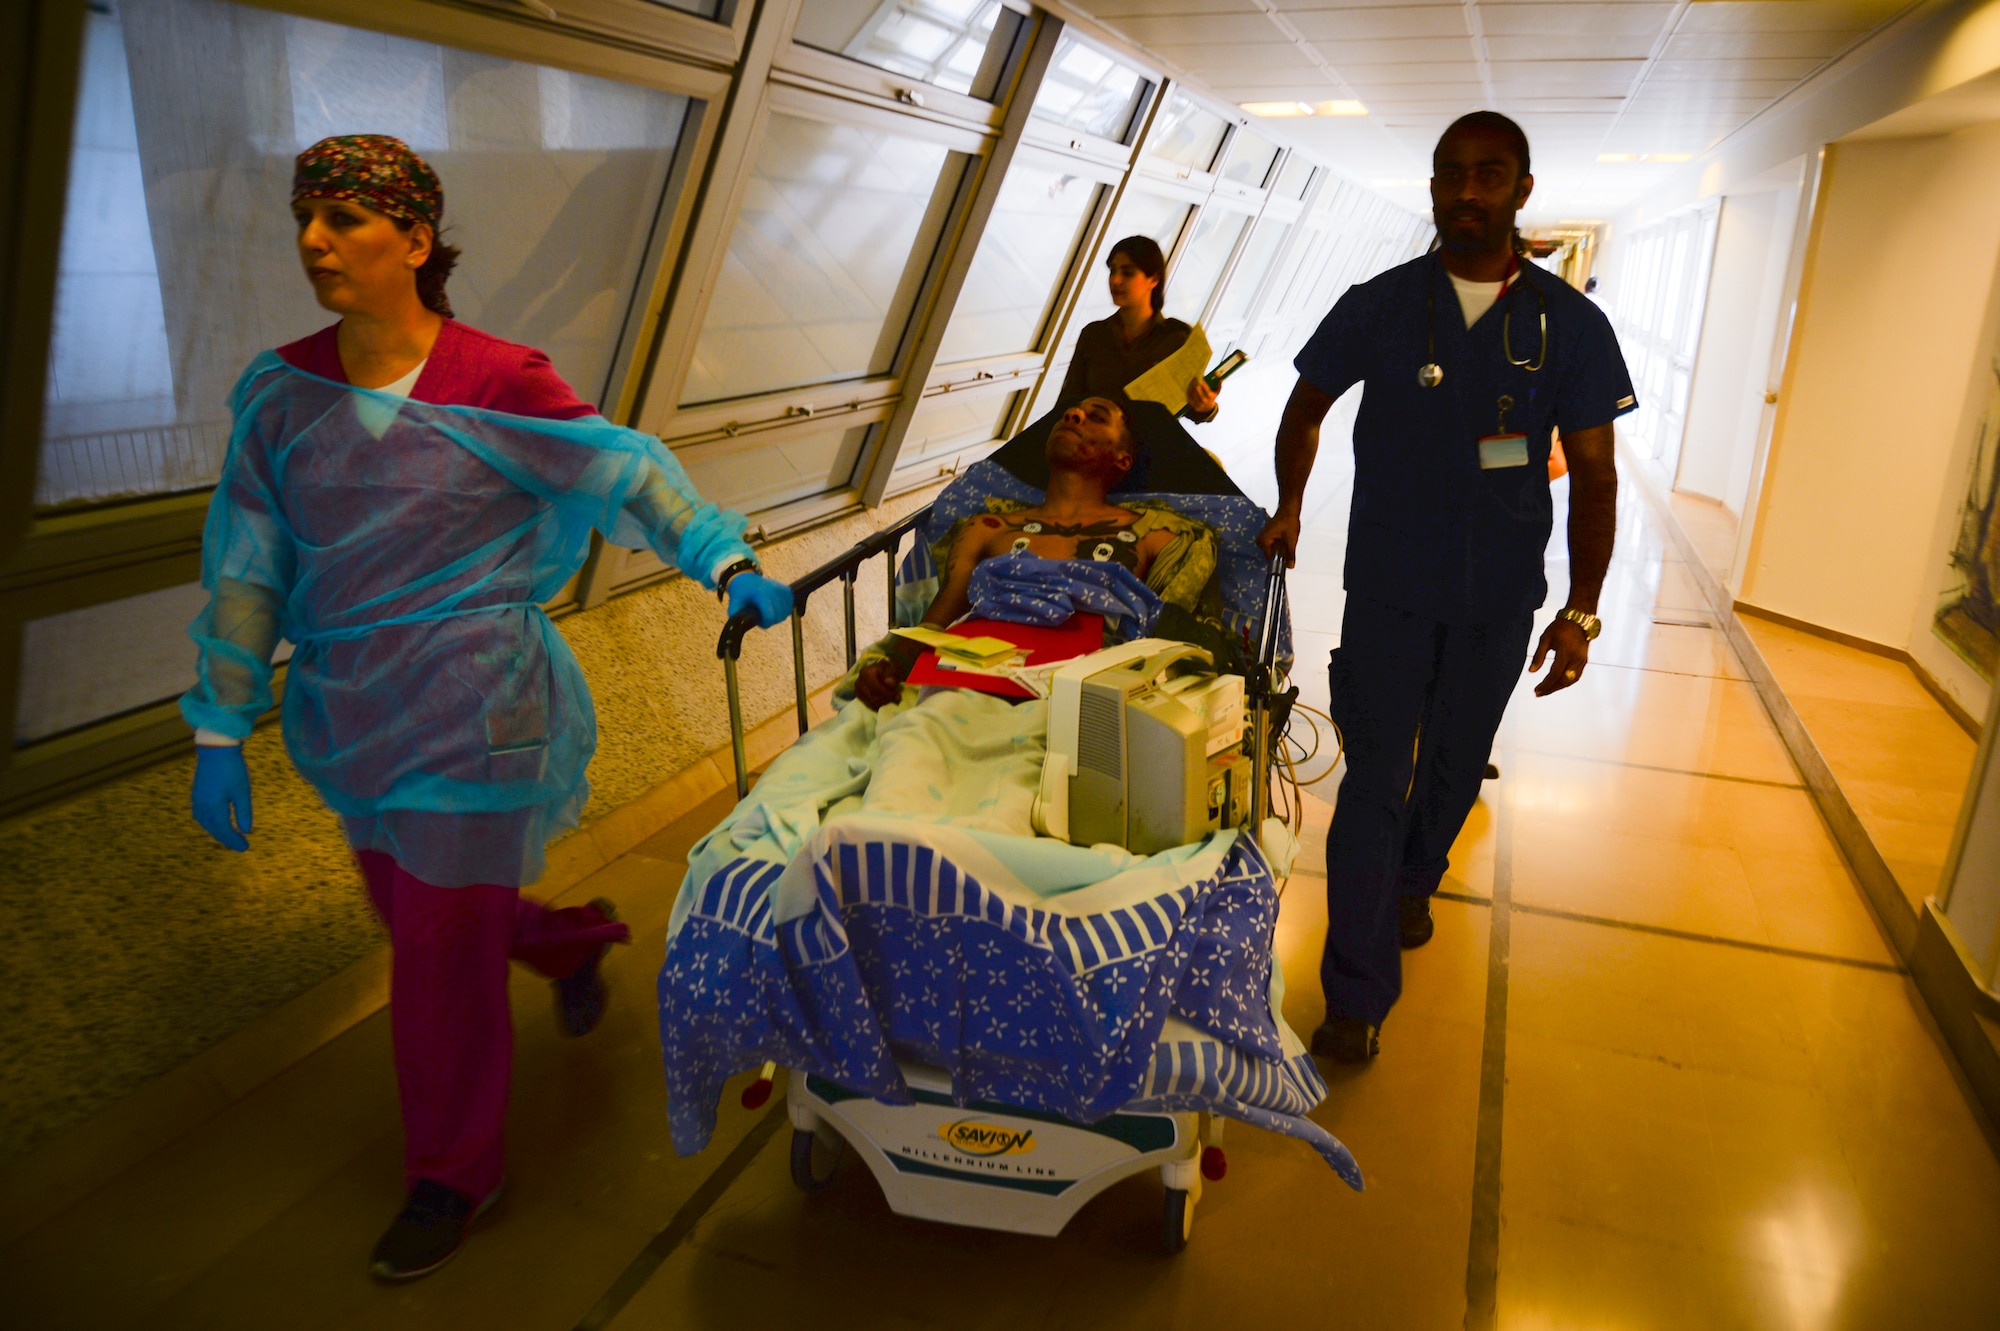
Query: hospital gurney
point(990, 1161)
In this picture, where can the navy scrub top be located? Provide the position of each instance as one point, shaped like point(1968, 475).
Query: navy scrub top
point(1430, 532)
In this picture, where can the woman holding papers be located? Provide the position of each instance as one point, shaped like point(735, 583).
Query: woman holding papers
point(1113, 352)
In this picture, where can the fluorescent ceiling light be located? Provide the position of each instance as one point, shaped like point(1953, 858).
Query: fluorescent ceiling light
point(1274, 110)
point(1645, 157)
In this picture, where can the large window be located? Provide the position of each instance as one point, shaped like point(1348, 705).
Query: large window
point(757, 475)
point(1087, 91)
point(1663, 288)
point(178, 262)
point(79, 666)
point(818, 282)
point(1251, 270)
point(1201, 263)
point(950, 44)
point(1022, 257)
point(1187, 135)
point(1250, 159)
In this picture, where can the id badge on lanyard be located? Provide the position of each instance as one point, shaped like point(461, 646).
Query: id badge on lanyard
point(1502, 449)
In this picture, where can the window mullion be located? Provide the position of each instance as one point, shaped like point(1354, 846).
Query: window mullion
point(921, 353)
point(45, 41)
point(720, 198)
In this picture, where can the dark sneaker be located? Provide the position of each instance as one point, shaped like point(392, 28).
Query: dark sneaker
point(1415, 926)
point(429, 1231)
point(1346, 1040)
point(580, 995)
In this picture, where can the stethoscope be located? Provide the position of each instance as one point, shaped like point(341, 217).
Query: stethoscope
point(1430, 374)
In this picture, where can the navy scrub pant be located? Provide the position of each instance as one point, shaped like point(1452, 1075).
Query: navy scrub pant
point(1418, 703)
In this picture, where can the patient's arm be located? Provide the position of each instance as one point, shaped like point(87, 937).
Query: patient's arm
point(954, 596)
point(880, 682)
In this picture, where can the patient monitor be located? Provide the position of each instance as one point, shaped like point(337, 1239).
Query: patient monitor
point(1144, 749)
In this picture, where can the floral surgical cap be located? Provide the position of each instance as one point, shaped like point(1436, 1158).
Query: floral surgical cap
point(373, 170)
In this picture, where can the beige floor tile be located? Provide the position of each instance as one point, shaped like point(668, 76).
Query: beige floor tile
point(1686, 722)
point(1639, 643)
point(1809, 665)
point(1553, 793)
point(1640, 879)
point(1635, 587)
point(1610, 1140)
point(1565, 1275)
point(1688, 1005)
point(1811, 902)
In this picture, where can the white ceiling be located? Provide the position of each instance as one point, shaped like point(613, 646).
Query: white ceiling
point(1583, 77)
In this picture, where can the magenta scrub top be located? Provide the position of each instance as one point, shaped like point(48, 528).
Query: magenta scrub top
point(467, 368)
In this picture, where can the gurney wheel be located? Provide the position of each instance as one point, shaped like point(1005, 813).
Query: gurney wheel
point(1178, 1220)
point(805, 1147)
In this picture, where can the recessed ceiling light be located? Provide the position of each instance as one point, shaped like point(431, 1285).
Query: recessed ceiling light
point(1271, 110)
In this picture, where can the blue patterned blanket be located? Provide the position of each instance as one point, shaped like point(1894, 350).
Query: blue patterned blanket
point(887, 939)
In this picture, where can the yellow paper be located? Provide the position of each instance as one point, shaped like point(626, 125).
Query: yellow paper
point(972, 651)
point(1167, 383)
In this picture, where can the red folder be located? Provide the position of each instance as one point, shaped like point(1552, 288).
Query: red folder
point(1079, 635)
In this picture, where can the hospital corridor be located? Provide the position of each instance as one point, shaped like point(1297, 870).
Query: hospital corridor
point(983, 664)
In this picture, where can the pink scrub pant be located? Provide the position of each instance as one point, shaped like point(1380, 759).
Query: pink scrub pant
point(448, 1015)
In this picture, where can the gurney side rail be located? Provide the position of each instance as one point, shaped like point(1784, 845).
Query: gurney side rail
point(847, 568)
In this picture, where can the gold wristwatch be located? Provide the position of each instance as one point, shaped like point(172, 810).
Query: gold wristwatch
point(1583, 619)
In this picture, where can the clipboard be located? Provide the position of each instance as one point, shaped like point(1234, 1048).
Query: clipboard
point(1166, 383)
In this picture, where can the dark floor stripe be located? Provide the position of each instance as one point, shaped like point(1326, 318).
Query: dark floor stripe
point(634, 1277)
point(1482, 1257)
point(1799, 954)
point(1662, 670)
point(1670, 771)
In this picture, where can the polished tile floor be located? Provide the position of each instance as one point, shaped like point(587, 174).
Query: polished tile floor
point(1657, 1069)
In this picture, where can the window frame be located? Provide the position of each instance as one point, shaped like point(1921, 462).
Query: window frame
point(1120, 152)
point(813, 66)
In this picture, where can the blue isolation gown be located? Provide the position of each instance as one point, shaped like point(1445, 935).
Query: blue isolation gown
point(404, 549)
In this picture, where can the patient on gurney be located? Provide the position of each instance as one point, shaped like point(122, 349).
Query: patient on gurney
point(882, 896)
point(1157, 558)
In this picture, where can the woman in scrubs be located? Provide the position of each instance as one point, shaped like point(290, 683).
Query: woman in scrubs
point(1114, 351)
point(401, 494)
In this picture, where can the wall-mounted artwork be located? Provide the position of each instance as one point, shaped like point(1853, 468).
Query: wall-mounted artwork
point(1968, 618)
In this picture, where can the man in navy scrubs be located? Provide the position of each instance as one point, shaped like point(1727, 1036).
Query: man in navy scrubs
point(1469, 358)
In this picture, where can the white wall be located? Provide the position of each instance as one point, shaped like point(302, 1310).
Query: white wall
point(1726, 409)
point(1890, 323)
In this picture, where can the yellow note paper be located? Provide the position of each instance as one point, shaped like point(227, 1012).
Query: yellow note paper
point(971, 651)
point(1167, 383)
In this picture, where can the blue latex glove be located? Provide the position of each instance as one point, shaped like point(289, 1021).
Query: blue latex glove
point(222, 783)
point(753, 591)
